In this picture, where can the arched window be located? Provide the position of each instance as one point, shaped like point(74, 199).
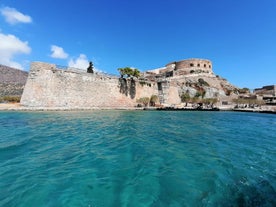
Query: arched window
point(191, 64)
point(204, 65)
point(198, 65)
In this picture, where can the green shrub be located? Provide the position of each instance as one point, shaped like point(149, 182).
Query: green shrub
point(10, 99)
point(143, 100)
point(153, 100)
point(244, 90)
point(185, 97)
point(129, 72)
point(210, 100)
point(200, 93)
point(202, 82)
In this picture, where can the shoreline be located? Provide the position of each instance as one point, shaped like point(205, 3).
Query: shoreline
point(18, 107)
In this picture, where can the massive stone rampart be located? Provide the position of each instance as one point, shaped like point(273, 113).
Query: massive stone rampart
point(48, 86)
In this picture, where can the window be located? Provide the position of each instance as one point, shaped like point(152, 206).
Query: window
point(209, 66)
point(198, 65)
point(204, 65)
point(159, 85)
point(191, 64)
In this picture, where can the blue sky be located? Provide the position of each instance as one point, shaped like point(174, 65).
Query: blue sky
point(238, 36)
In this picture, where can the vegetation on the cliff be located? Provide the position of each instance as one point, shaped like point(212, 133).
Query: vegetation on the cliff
point(185, 97)
point(244, 90)
point(209, 101)
point(199, 84)
point(129, 72)
point(202, 82)
point(10, 99)
point(198, 98)
point(249, 101)
point(200, 93)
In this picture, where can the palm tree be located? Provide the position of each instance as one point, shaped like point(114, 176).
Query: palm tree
point(129, 72)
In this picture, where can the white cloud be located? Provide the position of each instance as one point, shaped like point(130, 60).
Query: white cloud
point(81, 62)
point(13, 16)
point(58, 52)
point(11, 46)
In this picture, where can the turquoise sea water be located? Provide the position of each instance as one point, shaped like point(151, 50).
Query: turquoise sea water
point(137, 158)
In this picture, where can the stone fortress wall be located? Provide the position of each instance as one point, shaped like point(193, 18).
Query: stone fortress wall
point(184, 76)
point(191, 64)
point(48, 86)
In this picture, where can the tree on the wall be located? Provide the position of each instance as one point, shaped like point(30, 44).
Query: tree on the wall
point(129, 72)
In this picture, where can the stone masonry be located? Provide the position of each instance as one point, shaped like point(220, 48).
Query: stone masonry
point(48, 86)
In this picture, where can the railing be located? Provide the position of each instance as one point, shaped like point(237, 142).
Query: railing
point(61, 67)
point(78, 70)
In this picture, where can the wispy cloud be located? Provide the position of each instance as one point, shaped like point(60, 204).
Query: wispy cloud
point(58, 52)
point(12, 16)
point(11, 46)
point(81, 62)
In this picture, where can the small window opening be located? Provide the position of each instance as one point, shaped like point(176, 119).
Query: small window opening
point(159, 85)
point(198, 65)
point(204, 65)
point(191, 64)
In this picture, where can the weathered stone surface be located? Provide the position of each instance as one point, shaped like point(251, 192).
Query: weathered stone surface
point(48, 87)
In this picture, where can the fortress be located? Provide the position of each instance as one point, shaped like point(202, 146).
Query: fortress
point(49, 86)
point(185, 67)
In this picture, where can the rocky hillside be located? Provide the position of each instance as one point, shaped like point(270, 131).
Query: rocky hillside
point(207, 86)
point(12, 81)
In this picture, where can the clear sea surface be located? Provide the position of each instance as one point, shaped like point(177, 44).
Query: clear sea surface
point(137, 158)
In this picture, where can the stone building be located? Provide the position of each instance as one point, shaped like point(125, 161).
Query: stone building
point(267, 93)
point(183, 67)
point(184, 76)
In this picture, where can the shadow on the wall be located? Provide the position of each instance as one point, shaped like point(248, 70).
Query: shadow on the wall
point(132, 89)
point(127, 87)
point(123, 86)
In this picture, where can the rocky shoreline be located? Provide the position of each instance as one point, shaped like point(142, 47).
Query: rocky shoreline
point(18, 107)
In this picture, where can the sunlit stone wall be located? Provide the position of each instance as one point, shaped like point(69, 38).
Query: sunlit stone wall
point(48, 86)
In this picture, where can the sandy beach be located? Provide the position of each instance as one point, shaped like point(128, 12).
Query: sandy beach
point(10, 106)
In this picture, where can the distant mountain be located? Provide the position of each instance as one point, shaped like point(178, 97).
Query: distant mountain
point(12, 81)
